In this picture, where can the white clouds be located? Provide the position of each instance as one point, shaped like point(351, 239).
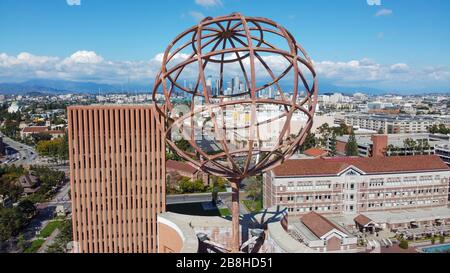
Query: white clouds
point(90, 66)
point(80, 66)
point(399, 68)
point(366, 72)
point(73, 2)
point(209, 3)
point(384, 12)
point(374, 2)
point(198, 16)
point(84, 57)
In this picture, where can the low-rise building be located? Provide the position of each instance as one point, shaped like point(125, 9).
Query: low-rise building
point(32, 130)
point(315, 152)
point(29, 131)
point(393, 144)
point(185, 170)
point(394, 124)
point(319, 233)
point(30, 184)
point(443, 151)
point(354, 185)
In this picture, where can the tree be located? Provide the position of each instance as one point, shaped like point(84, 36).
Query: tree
point(27, 208)
point(410, 146)
point(217, 185)
point(404, 244)
point(310, 142)
point(41, 137)
point(58, 149)
point(254, 188)
point(433, 129)
point(343, 129)
point(391, 149)
point(333, 145)
point(351, 148)
point(443, 129)
point(324, 131)
point(21, 242)
point(11, 220)
point(439, 129)
point(11, 129)
point(381, 131)
point(8, 182)
point(188, 186)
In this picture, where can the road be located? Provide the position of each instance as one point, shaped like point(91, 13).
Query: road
point(45, 213)
point(194, 198)
point(26, 154)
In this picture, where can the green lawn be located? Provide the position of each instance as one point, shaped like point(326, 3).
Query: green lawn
point(253, 206)
point(35, 245)
point(49, 228)
point(224, 212)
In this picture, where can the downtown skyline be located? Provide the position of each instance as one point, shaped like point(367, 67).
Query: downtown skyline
point(396, 46)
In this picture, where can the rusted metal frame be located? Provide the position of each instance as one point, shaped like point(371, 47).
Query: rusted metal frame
point(252, 92)
point(293, 48)
point(204, 66)
point(274, 79)
point(191, 139)
point(166, 59)
point(288, 118)
point(224, 104)
point(305, 83)
point(174, 81)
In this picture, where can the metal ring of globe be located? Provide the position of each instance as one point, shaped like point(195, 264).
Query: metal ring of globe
point(222, 127)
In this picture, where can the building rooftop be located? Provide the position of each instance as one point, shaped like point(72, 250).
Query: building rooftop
point(368, 165)
point(35, 129)
point(398, 118)
point(397, 216)
point(180, 166)
point(315, 152)
point(318, 224)
point(362, 220)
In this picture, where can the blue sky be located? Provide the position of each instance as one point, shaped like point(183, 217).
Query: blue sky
point(407, 38)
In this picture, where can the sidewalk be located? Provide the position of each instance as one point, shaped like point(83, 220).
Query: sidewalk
point(48, 241)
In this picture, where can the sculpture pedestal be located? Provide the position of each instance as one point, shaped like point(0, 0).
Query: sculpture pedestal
point(235, 211)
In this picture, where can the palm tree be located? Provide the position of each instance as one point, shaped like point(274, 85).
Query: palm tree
point(410, 146)
point(390, 149)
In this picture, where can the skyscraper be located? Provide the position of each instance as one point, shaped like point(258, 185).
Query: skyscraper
point(117, 175)
point(235, 84)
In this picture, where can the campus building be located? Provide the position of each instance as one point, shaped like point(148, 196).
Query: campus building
point(355, 185)
point(117, 175)
point(394, 124)
point(393, 144)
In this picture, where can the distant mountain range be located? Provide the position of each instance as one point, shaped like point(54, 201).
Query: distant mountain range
point(61, 87)
point(64, 87)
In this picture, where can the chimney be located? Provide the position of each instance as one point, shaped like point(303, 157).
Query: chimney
point(379, 145)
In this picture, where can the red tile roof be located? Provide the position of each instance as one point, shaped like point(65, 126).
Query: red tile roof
point(362, 220)
point(35, 129)
point(370, 165)
point(318, 224)
point(315, 152)
point(180, 166)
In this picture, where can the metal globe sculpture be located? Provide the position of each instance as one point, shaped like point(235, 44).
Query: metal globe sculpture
point(238, 95)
